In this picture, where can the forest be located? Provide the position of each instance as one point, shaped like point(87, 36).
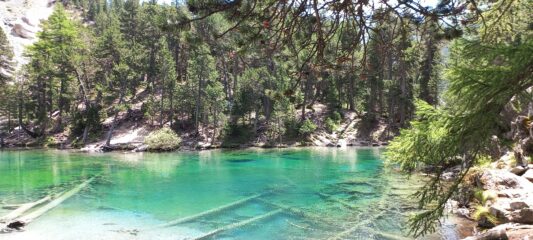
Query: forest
point(450, 82)
point(249, 67)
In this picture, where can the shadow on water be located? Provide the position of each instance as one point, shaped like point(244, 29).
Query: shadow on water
point(240, 160)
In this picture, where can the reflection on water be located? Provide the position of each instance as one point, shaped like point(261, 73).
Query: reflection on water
point(312, 193)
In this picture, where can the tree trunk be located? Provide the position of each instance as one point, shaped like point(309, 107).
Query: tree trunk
point(61, 103)
point(8, 120)
point(225, 80)
point(87, 105)
point(151, 68)
point(21, 125)
point(162, 103)
point(85, 134)
point(304, 103)
point(114, 123)
point(215, 126)
point(235, 77)
point(427, 67)
point(351, 95)
point(171, 100)
point(198, 102)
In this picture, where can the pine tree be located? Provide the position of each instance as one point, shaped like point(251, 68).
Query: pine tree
point(52, 67)
point(202, 70)
point(167, 78)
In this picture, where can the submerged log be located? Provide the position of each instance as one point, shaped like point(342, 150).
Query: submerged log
point(23, 208)
point(19, 222)
point(11, 206)
point(342, 202)
point(381, 207)
point(54, 203)
point(238, 224)
point(293, 210)
point(211, 211)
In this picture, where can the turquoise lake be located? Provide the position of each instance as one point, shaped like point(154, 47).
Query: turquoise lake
point(304, 193)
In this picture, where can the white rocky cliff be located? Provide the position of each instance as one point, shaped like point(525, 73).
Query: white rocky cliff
point(21, 20)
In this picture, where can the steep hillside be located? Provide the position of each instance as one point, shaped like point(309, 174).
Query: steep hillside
point(20, 20)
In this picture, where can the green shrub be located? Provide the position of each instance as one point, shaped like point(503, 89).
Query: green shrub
point(330, 125)
point(484, 160)
point(307, 127)
point(293, 128)
point(481, 209)
point(483, 212)
point(164, 139)
point(483, 197)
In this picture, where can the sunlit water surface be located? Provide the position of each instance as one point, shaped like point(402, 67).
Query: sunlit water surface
point(323, 193)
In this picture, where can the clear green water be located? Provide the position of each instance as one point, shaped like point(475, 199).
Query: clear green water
point(337, 189)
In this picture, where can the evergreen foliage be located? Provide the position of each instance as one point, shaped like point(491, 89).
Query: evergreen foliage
point(307, 127)
point(208, 71)
point(486, 72)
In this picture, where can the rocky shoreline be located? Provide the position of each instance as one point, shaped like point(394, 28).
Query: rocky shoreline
point(500, 202)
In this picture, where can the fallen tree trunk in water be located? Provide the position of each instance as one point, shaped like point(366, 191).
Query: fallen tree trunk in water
point(16, 224)
point(23, 208)
point(293, 210)
point(342, 202)
point(54, 203)
point(11, 206)
point(211, 211)
point(238, 224)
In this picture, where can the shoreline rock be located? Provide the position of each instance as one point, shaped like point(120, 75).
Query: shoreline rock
point(511, 206)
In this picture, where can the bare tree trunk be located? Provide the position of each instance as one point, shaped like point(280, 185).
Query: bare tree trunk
point(235, 76)
point(8, 120)
point(114, 123)
point(162, 103)
point(225, 79)
point(21, 125)
point(255, 118)
point(177, 55)
point(198, 102)
point(402, 68)
point(87, 105)
point(215, 126)
point(171, 99)
point(61, 103)
point(351, 89)
point(304, 103)
point(151, 68)
point(45, 109)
